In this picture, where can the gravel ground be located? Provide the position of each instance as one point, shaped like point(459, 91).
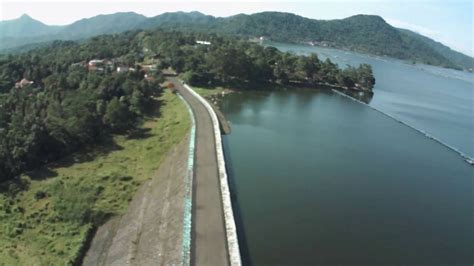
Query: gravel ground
point(150, 233)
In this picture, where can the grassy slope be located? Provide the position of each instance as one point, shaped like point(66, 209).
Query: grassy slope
point(37, 229)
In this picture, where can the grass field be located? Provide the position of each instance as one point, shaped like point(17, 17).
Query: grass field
point(47, 216)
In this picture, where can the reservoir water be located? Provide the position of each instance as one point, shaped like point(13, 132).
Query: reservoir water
point(320, 179)
point(434, 100)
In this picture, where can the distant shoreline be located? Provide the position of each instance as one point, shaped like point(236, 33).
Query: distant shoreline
point(374, 56)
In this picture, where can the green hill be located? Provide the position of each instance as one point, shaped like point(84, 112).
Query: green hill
point(102, 24)
point(455, 57)
point(360, 33)
point(24, 27)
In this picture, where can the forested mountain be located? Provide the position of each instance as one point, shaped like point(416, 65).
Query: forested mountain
point(192, 20)
point(454, 56)
point(18, 36)
point(102, 24)
point(361, 33)
point(25, 26)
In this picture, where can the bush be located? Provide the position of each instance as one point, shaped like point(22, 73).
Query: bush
point(126, 178)
point(73, 204)
point(118, 116)
point(40, 195)
point(196, 79)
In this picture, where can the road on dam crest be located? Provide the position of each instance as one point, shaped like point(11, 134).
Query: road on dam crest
point(208, 235)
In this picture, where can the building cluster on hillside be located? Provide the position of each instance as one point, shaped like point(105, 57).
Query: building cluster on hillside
point(116, 65)
point(105, 65)
point(149, 71)
point(109, 65)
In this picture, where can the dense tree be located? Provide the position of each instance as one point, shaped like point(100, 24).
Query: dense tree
point(117, 115)
point(365, 77)
point(68, 106)
point(310, 66)
point(229, 60)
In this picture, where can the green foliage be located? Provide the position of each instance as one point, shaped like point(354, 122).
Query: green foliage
point(117, 115)
point(72, 203)
point(69, 106)
point(362, 33)
point(230, 61)
point(40, 194)
point(462, 61)
point(46, 221)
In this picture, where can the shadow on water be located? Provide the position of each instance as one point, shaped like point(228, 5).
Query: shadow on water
point(243, 246)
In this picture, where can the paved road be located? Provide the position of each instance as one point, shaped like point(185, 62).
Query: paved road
point(208, 245)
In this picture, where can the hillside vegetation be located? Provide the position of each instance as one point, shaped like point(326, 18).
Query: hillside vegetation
point(362, 33)
point(56, 100)
point(76, 141)
point(63, 104)
point(48, 214)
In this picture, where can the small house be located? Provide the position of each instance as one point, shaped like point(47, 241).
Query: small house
point(96, 62)
point(122, 69)
point(22, 83)
point(203, 42)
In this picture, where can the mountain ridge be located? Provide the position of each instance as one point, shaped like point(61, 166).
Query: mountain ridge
point(25, 25)
point(361, 33)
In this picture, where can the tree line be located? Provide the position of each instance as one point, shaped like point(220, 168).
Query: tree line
point(228, 60)
point(68, 106)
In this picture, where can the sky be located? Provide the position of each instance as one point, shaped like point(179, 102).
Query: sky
point(447, 21)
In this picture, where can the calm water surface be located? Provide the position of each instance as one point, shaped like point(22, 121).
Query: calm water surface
point(437, 101)
point(323, 180)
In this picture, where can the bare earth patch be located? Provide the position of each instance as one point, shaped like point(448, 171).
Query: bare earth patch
point(150, 232)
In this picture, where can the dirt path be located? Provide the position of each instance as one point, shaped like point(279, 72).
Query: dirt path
point(150, 233)
point(209, 243)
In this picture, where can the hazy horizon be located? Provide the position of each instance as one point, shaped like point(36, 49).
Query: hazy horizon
point(448, 23)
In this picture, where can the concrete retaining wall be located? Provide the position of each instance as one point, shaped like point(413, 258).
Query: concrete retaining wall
point(232, 240)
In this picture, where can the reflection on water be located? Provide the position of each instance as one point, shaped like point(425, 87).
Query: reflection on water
point(323, 180)
point(434, 100)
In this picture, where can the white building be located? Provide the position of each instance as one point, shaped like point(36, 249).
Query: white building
point(96, 62)
point(122, 69)
point(22, 83)
point(203, 42)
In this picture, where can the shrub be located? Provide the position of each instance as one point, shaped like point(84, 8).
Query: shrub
point(74, 204)
point(40, 194)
